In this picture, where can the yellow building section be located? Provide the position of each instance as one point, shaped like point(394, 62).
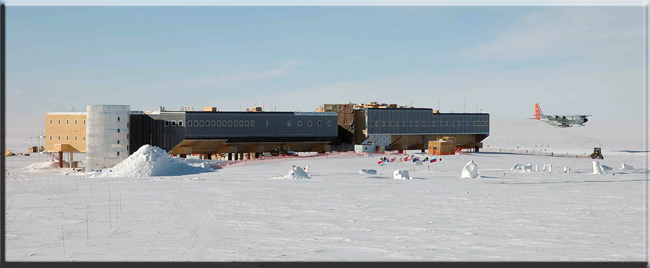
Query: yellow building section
point(65, 132)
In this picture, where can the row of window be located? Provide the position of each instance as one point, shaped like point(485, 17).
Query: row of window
point(67, 138)
point(231, 123)
point(299, 123)
point(424, 123)
point(67, 121)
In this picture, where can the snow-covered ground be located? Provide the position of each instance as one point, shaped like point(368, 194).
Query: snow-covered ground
point(248, 212)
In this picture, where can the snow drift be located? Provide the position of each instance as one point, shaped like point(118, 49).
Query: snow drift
point(368, 172)
point(42, 165)
point(153, 161)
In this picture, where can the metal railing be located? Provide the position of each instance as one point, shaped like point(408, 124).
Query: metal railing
point(531, 152)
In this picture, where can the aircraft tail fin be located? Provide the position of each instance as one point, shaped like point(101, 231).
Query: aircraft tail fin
point(538, 111)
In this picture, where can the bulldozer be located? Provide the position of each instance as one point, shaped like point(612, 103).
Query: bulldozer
point(596, 154)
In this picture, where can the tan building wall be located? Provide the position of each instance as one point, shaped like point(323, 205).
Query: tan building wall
point(65, 128)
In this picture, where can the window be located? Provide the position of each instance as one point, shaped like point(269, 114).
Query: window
point(118, 152)
point(127, 136)
point(59, 121)
point(410, 123)
point(166, 123)
point(201, 123)
point(85, 137)
point(288, 123)
point(309, 123)
point(376, 123)
point(213, 123)
point(252, 123)
point(424, 123)
point(127, 147)
point(180, 123)
point(118, 130)
point(218, 123)
point(207, 123)
point(67, 122)
point(67, 138)
point(174, 123)
point(236, 123)
point(75, 138)
point(118, 141)
point(75, 121)
point(320, 123)
point(59, 137)
point(241, 123)
point(329, 123)
point(299, 123)
point(50, 121)
point(127, 124)
point(403, 123)
point(267, 123)
point(453, 123)
point(247, 123)
point(383, 123)
point(196, 123)
point(118, 119)
point(189, 123)
point(390, 123)
point(50, 137)
point(84, 121)
point(230, 123)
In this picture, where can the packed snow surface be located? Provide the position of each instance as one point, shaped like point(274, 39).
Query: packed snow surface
point(152, 161)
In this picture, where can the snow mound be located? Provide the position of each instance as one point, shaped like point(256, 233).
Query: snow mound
point(470, 170)
point(606, 168)
point(298, 173)
point(368, 172)
point(522, 168)
point(153, 161)
point(400, 174)
point(42, 165)
point(516, 167)
point(626, 167)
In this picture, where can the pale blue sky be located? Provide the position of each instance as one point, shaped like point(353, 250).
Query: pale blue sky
point(586, 60)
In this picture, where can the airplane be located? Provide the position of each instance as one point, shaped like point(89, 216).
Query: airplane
point(561, 121)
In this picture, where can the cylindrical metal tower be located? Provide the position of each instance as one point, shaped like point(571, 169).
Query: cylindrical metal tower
point(107, 135)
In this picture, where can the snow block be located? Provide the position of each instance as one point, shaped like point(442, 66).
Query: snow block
point(470, 170)
point(527, 168)
point(597, 168)
point(368, 172)
point(401, 174)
